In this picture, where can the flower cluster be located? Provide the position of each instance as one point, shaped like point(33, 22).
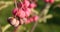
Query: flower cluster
point(23, 13)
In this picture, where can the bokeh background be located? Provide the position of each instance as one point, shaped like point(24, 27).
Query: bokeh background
point(52, 25)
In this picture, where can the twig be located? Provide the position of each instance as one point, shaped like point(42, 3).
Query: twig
point(15, 3)
point(0, 28)
point(34, 26)
point(16, 29)
point(6, 27)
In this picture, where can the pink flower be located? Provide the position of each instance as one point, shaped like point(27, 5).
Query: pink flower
point(21, 21)
point(32, 5)
point(26, 3)
point(20, 13)
point(51, 1)
point(27, 12)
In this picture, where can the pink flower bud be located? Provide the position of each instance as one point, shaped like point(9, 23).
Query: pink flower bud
point(27, 22)
point(51, 1)
point(20, 13)
point(26, 3)
point(12, 20)
point(27, 12)
point(35, 18)
point(21, 21)
point(32, 5)
point(16, 24)
point(15, 11)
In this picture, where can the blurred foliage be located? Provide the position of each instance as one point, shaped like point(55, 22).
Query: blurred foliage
point(52, 25)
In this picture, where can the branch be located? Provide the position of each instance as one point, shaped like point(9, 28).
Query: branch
point(15, 1)
point(5, 28)
point(44, 12)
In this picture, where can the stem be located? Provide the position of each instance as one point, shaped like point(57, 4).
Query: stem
point(6, 27)
point(16, 29)
point(15, 3)
point(44, 12)
point(0, 29)
point(34, 26)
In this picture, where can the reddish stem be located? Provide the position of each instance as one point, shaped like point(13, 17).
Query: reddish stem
point(15, 3)
point(16, 29)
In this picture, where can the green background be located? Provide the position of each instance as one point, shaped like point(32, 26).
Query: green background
point(52, 25)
